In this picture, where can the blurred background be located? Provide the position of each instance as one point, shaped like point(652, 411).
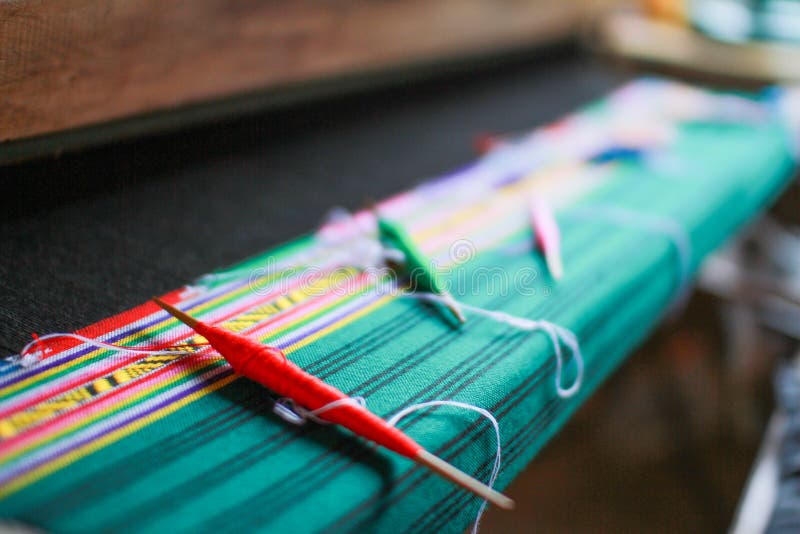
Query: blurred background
point(108, 106)
point(84, 72)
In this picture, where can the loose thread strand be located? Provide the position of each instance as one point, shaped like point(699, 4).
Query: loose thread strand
point(392, 421)
point(292, 413)
point(656, 224)
point(28, 357)
point(558, 336)
point(288, 410)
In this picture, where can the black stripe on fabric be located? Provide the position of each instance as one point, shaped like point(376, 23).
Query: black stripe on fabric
point(219, 473)
point(342, 446)
point(455, 502)
point(592, 327)
point(97, 484)
point(343, 353)
point(416, 476)
point(412, 316)
point(288, 439)
point(345, 449)
point(119, 473)
point(517, 443)
point(477, 364)
point(514, 449)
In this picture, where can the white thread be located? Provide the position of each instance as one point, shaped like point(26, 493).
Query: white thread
point(558, 335)
point(356, 246)
point(292, 413)
point(288, 410)
point(658, 224)
point(487, 414)
point(364, 253)
point(27, 359)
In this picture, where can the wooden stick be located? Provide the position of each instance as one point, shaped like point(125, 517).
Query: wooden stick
point(185, 318)
point(422, 456)
point(453, 474)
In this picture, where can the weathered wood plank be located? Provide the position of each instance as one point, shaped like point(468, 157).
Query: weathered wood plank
point(73, 63)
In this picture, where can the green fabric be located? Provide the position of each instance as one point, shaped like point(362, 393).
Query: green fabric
point(227, 463)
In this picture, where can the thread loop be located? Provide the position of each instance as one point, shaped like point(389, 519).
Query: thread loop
point(291, 412)
point(392, 421)
point(656, 224)
point(28, 357)
point(558, 335)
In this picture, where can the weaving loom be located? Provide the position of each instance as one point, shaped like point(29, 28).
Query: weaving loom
point(93, 439)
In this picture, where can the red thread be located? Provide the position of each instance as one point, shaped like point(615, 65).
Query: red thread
point(35, 337)
point(485, 142)
point(269, 367)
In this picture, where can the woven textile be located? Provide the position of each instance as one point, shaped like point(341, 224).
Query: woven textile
point(93, 439)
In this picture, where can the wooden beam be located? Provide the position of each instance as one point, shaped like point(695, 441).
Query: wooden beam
point(70, 64)
point(681, 50)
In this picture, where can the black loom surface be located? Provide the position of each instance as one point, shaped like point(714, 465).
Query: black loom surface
point(91, 234)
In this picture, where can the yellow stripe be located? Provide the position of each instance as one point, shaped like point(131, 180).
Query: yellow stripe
point(236, 324)
point(77, 361)
point(59, 463)
point(44, 410)
point(281, 302)
point(508, 190)
point(483, 207)
point(84, 422)
point(335, 326)
point(37, 414)
point(447, 223)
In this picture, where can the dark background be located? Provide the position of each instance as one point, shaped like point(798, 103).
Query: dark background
point(91, 234)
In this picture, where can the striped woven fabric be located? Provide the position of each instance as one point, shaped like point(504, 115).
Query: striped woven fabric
point(100, 439)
